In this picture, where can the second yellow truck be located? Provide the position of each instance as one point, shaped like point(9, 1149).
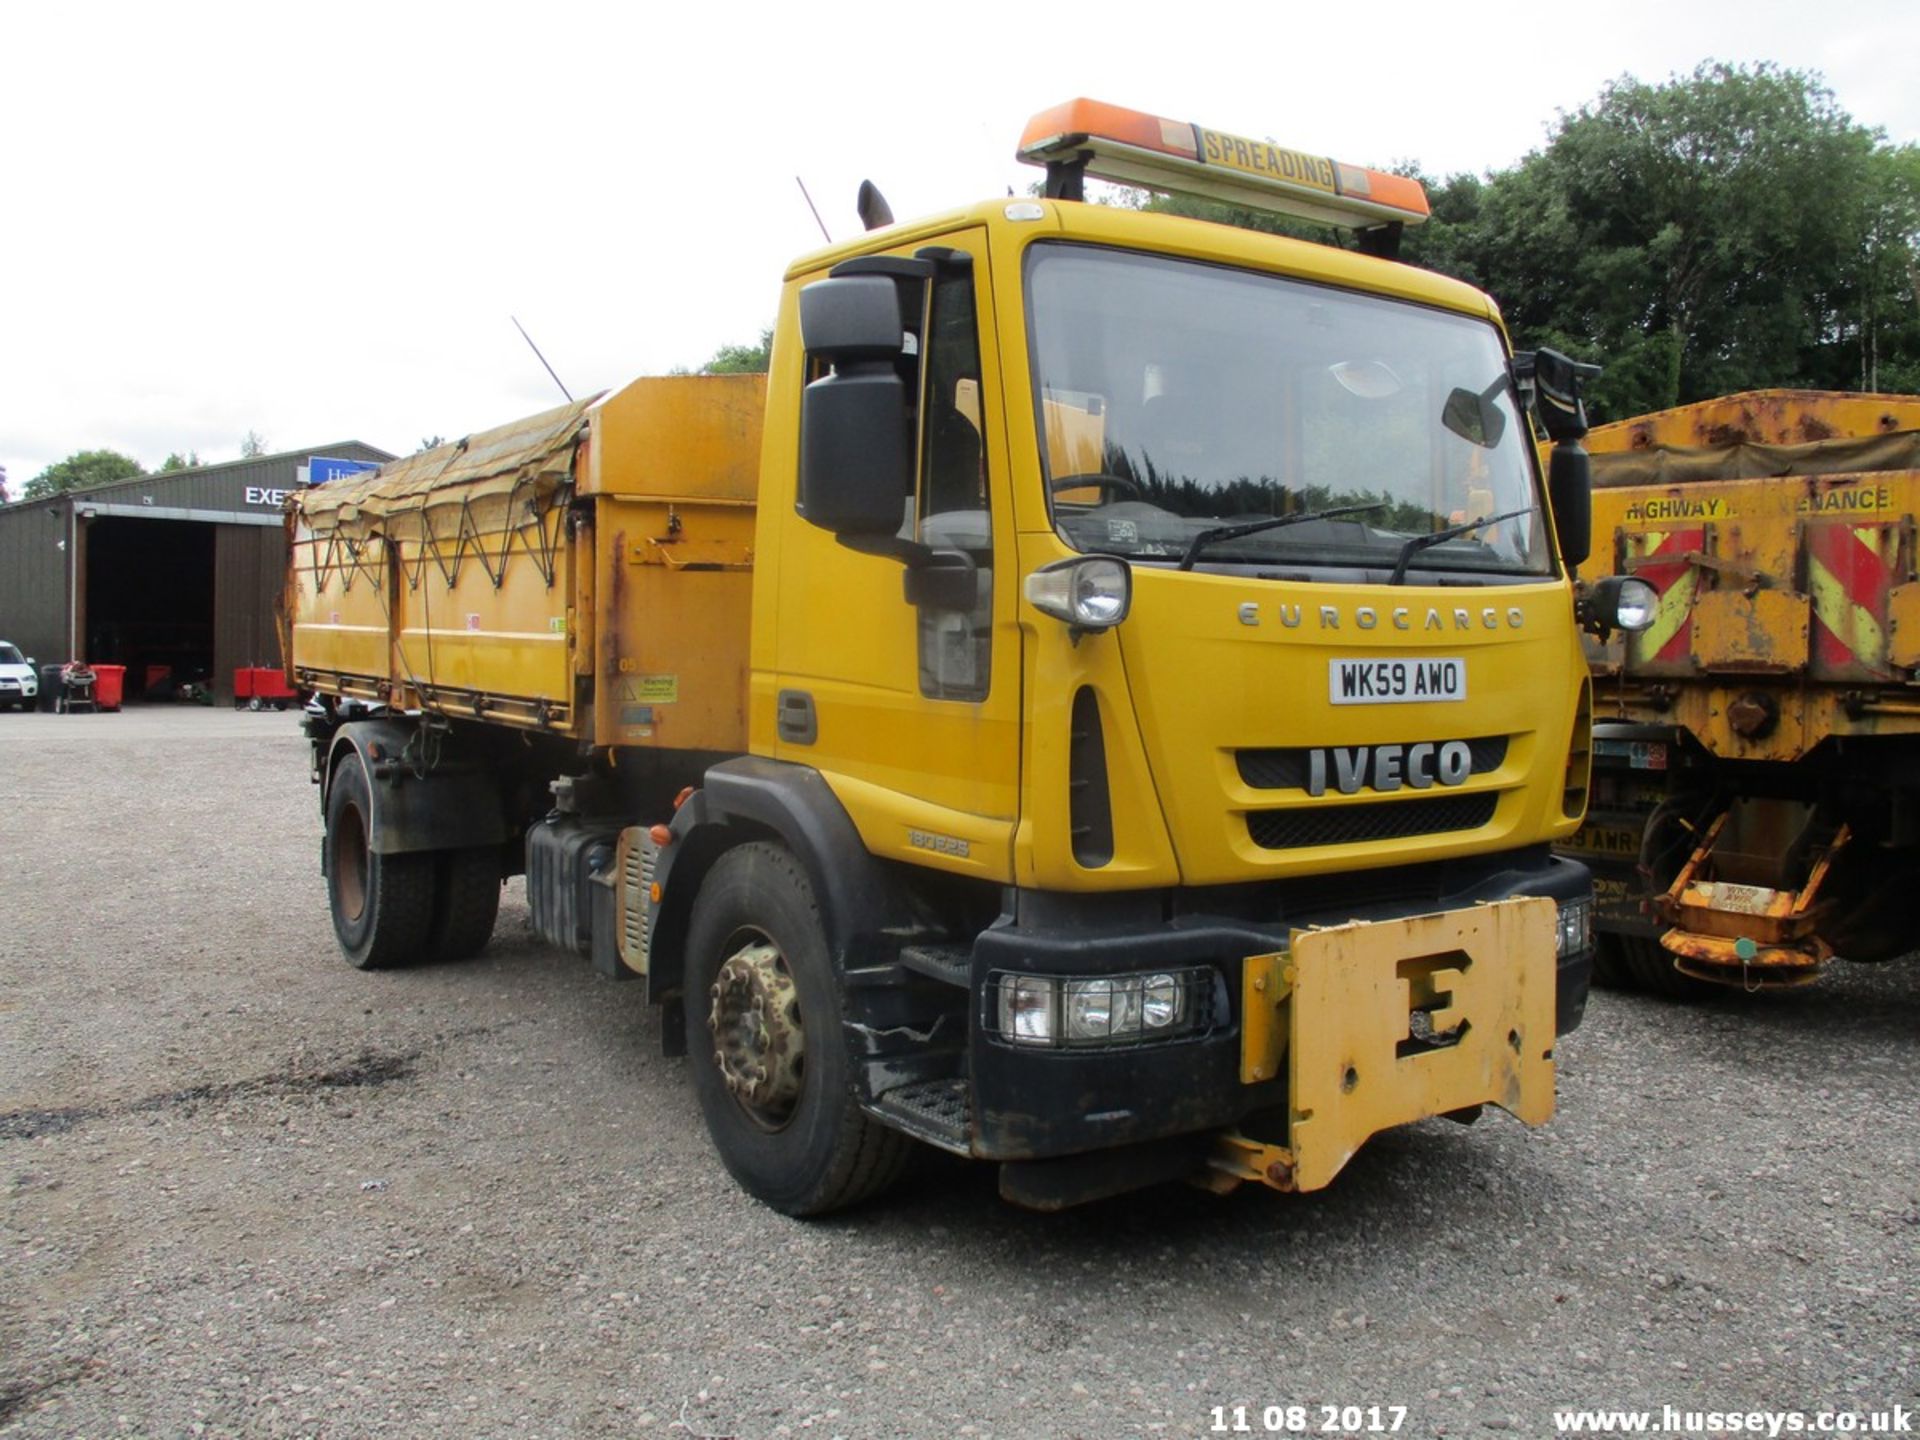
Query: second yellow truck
point(1101, 704)
point(1756, 804)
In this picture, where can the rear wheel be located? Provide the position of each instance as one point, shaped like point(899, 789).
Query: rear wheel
point(1652, 966)
point(466, 901)
point(382, 904)
point(769, 1061)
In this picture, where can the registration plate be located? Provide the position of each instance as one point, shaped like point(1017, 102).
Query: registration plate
point(1396, 682)
point(1743, 899)
point(1639, 754)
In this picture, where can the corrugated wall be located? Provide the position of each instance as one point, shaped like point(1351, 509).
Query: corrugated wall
point(249, 563)
point(33, 580)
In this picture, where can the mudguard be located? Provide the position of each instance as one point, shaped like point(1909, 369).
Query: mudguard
point(448, 806)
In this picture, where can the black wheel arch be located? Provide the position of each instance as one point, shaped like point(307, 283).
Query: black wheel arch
point(753, 798)
point(453, 806)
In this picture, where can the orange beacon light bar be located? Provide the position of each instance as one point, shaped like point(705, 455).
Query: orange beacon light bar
point(1085, 137)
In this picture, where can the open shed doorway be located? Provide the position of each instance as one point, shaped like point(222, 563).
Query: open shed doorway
point(150, 602)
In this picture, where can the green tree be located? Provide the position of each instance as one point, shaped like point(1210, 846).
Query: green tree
point(741, 359)
point(1885, 299)
point(176, 461)
point(1699, 236)
point(82, 470)
point(253, 445)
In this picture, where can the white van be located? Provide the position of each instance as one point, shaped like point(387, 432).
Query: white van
point(19, 683)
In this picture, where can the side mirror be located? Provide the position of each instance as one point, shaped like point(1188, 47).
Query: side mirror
point(1553, 382)
point(852, 318)
point(1570, 492)
point(856, 457)
point(856, 452)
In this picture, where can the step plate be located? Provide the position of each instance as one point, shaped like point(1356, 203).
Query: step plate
point(939, 1112)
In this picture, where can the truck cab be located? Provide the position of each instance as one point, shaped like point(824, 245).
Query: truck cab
point(1161, 681)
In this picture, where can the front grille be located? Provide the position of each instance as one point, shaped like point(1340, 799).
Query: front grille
point(1287, 769)
point(1307, 828)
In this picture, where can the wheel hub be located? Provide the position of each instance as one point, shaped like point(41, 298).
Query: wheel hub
point(349, 864)
point(759, 1046)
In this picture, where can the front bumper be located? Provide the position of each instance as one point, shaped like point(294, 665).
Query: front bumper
point(1033, 1103)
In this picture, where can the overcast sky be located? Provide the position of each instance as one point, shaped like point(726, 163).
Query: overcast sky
point(314, 223)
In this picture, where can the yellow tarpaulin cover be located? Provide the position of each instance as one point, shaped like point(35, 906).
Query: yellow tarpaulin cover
point(491, 481)
point(1680, 465)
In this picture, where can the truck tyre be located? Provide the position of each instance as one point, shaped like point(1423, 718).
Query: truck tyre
point(1652, 967)
point(466, 900)
point(763, 1030)
point(1611, 969)
point(382, 904)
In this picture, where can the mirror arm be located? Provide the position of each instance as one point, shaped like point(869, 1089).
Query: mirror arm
point(941, 579)
point(910, 553)
point(895, 267)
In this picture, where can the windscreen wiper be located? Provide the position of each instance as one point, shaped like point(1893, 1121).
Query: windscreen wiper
point(1254, 527)
point(1453, 532)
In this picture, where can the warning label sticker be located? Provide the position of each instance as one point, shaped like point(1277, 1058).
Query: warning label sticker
point(656, 689)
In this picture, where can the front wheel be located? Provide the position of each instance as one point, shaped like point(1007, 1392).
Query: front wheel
point(382, 904)
point(769, 1062)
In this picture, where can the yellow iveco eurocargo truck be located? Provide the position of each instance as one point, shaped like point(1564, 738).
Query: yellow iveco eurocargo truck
point(1756, 796)
point(1101, 704)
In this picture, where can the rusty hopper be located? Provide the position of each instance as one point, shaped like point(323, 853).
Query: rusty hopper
point(1756, 800)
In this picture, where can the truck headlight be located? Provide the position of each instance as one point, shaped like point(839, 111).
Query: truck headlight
point(1080, 1010)
point(1635, 604)
point(1617, 602)
point(1575, 930)
point(1026, 1009)
point(1093, 592)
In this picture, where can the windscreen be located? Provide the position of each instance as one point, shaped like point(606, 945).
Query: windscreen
point(1177, 397)
point(10, 656)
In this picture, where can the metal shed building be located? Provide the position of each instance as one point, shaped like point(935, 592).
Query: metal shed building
point(174, 575)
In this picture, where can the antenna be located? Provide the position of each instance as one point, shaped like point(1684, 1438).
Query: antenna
point(542, 359)
point(815, 208)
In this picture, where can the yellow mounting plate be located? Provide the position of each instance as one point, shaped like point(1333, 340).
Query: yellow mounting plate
point(1339, 1005)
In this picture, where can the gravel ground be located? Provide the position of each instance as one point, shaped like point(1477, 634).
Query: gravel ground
point(248, 1190)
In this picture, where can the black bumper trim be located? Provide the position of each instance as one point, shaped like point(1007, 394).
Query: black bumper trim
point(1036, 1103)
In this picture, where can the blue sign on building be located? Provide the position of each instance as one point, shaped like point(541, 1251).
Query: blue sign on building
point(321, 469)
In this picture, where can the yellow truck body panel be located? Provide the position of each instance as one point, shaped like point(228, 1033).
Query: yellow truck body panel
point(461, 580)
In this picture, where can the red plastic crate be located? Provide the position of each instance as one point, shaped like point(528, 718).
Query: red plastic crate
point(258, 682)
